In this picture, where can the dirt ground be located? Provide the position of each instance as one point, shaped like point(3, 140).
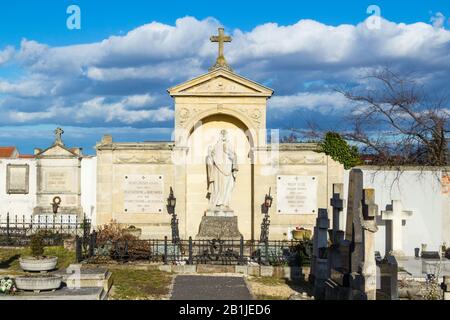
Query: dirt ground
point(277, 289)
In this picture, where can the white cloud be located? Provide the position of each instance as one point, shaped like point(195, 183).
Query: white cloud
point(438, 20)
point(139, 100)
point(6, 54)
point(98, 108)
point(25, 88)
point(122, 79)
point(322, 101)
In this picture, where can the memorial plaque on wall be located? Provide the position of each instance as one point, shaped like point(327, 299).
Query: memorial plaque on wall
point(57, 180)
point(143, 194)
point(17, 179)
point(296, 194)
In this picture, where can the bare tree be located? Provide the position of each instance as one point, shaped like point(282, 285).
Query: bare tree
point(397, 124)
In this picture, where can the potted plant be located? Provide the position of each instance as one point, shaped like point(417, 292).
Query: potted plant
point(133, 231)
point(38, 261)
point(300, 233)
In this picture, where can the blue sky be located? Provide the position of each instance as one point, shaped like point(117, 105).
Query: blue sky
point(111, 76)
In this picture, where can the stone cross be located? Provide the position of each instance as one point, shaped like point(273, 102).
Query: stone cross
point(337, 202)
point(369, 224)
point(395, 214)
point(221, 39)
point(360, 231)
point(58, 134)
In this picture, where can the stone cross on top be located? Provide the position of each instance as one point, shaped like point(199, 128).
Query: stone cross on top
point(58, 134)
point(221, 39)
point(395, 214)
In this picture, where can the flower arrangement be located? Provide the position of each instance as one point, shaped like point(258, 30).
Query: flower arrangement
point(300, 233)
point(7, 286)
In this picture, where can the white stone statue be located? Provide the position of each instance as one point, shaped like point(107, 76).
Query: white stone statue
point(221, 166)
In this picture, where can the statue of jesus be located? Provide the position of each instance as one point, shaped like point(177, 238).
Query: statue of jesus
point(221, 166)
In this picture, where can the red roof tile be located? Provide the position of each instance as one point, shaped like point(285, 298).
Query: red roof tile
point(7, 152)
point(26, 156)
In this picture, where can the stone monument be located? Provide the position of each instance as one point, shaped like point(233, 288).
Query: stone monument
point(219, 221)
point(207, 197)
point(58, 179)
point(352, 260)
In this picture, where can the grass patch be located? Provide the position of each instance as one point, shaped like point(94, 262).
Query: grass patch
point(129, 284)
point(9, 257)
point(269, 281)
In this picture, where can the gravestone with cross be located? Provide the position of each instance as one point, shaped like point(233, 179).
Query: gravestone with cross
point(353, 273)
point(395, 216)
point(337, 202)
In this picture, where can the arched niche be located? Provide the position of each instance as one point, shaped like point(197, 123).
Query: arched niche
point(203, 134)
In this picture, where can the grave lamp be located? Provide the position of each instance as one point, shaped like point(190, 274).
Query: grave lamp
point(171, 202)
point(268, 200)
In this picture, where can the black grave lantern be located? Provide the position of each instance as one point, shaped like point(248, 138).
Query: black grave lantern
point(268, 200)
point(171, 202)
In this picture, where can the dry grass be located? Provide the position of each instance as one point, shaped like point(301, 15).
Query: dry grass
point(137, 284)
point(272, 288)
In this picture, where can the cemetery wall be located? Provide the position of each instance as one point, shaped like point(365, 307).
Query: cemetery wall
point(422, 191)
point(295, 160)
point(18, 202)
point(88, 187)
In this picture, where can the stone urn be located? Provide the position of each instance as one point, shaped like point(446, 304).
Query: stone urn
point(40, 264)
point(133, 231)
point(38, 283)
point(301, 234)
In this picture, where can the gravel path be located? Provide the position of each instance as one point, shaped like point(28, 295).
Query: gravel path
point(210, 288)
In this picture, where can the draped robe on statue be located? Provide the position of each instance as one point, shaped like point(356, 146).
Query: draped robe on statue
point(221, 164)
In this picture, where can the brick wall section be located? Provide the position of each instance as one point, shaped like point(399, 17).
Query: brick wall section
point(445, 183)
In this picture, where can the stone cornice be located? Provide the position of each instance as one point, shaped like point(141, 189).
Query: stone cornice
point(136, 146)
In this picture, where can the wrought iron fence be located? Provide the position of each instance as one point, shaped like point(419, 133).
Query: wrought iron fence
point(17, 230)
point(221, 252)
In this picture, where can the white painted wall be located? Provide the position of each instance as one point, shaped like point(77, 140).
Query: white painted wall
point(420, 192)
point(17, 204)
point(23, 204)
point(88, 187)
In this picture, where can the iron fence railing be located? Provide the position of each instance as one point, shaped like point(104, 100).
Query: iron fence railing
point(17, 230)
point(221, 252)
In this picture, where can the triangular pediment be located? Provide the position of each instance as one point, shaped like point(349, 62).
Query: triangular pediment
point(220, 82)
point(56, 151)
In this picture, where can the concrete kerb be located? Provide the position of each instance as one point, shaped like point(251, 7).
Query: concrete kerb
point(289, 273)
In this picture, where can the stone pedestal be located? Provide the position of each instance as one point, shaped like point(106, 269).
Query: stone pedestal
point(220, 213)
point(218, 227)
point(388, 279)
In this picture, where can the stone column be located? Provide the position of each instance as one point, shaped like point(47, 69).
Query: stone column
point(369, 267)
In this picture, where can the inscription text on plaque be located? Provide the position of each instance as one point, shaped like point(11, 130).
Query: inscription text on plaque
point(143, 193)
point(296, 194)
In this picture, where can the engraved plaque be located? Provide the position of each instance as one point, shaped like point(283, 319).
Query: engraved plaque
point(57, 181)
point(296, 194)
point(17, 179)
point(143, 193)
